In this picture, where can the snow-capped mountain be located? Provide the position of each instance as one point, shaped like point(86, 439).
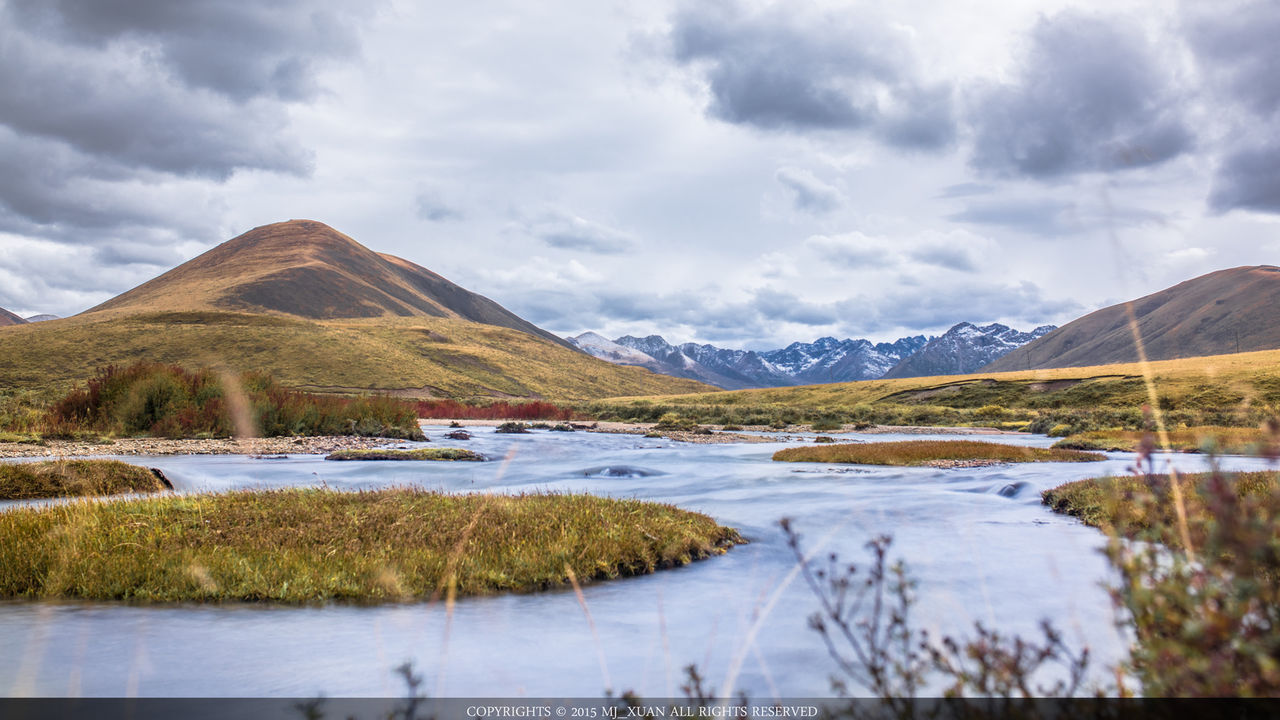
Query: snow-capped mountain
point(606, 349)
point(964, 349)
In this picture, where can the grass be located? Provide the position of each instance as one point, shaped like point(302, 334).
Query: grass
point(75, 478)
point(412, 357)
point(1138, 505)
point(416, 454)
point(1230, 440)
point(1223, 390)
point(317, 545)
point(922, 452)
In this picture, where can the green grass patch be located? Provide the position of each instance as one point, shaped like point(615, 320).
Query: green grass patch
point(318, 545)
point(921, 452)
point(1142, 506)
point(75, 478)
point(416, 454)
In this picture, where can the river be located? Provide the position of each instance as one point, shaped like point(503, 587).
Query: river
point(977, 542)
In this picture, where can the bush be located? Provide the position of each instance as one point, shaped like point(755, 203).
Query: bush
point(169, 401)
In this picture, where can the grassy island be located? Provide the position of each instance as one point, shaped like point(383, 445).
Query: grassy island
point(928, 452)
point(76, 478)
point(416, 454)
point(1141, 506)
point(317, 545)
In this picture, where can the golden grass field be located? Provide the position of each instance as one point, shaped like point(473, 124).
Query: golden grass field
point(923, 452)
point(1229, 382)
point(413, 357)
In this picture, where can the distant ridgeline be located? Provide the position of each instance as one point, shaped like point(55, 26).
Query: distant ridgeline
point(963, 349)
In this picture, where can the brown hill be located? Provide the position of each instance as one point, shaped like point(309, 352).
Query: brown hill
point(320, 312)
point(307, 269)
point(1227, 311)
point(7, 318)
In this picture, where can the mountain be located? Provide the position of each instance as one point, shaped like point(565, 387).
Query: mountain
point(42, 317)
point(964, 349)
point(320, 312)
point(7, 318)
point(307, 269)
point(1222, 312)
point(822, 361)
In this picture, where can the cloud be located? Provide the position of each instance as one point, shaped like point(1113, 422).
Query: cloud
point(1092, 95)
point(122, 117)
point(940, 307)
point(1048, 217)
point(787, 68)
point(1237, 52)
point(956, 250)
point(809, 194)
point(433, 208)
point(238, 50)
point(1235, 44)
point(1248, 178)
point(567, 231)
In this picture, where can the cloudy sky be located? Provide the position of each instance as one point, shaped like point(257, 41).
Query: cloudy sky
point(741, 173)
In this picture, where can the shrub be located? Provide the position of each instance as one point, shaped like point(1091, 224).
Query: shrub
point(169, 401)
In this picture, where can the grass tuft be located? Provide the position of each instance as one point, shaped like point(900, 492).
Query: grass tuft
point(921, 452)
point(75, 478)
point(319, 545)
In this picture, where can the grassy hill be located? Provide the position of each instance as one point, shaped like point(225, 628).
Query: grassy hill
point(319, 312)
point(1222, 312)
point(407, 356)
point(1216, 390)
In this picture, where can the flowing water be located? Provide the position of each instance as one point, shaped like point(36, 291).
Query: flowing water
point(977, 541)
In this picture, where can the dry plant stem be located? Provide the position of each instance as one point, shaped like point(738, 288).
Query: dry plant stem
point(1161, 431)
point(591, 623)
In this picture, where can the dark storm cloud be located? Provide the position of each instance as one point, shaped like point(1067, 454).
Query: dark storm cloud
point(809, 194)
point(1248, 178)
point(1236, 48)
point(1236, 45)
point(110, 106)
point(1091, 95)
point(785, 68)
point(240, 50)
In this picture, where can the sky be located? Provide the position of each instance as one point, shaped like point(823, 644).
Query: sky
point(742, 173)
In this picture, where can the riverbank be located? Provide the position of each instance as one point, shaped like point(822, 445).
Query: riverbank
point(322, 445)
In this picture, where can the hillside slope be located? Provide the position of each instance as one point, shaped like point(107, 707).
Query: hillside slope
point(307, 269)
point(7, 318)
point(1222, 312)
point(321, 312)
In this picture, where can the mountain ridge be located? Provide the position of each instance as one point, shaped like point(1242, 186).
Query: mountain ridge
point(7, 319)
point(1222, 312)
point(825, 360)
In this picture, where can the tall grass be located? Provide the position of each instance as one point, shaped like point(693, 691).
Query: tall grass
point(921, 452)
point(319, 545)
point(170, 401)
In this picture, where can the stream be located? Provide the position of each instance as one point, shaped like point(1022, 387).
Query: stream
point(977, 541)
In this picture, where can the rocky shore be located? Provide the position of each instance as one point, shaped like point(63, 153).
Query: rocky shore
point(213, 446)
